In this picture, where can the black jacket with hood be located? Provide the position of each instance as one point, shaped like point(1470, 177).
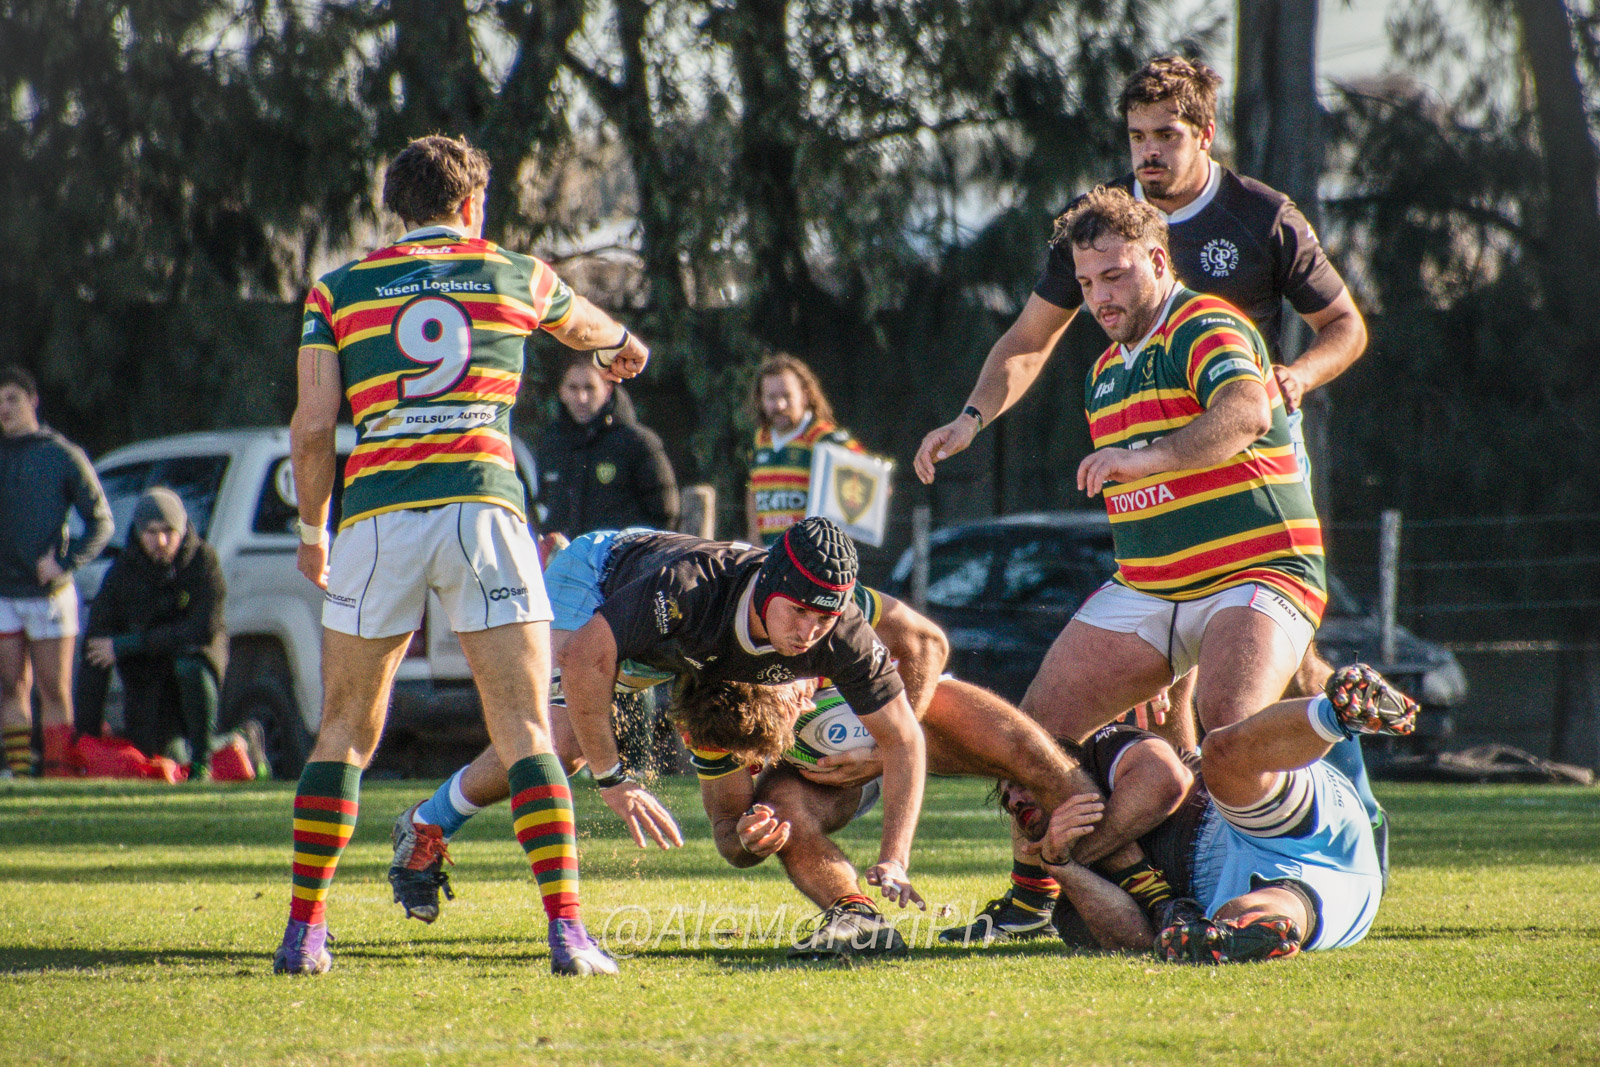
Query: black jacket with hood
point(606, 474)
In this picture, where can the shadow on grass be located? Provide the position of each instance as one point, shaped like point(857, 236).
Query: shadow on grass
point(19, 960)
point(1479, 933)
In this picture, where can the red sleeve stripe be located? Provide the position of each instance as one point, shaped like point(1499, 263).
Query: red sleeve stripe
point(1214, 343)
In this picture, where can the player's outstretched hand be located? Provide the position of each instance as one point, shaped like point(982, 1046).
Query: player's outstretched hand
point(890, 877)
point(941, 444)
point(845, 770)
point(643, 814)
point(760, 831)
point(313, 563)
point(1075, 818)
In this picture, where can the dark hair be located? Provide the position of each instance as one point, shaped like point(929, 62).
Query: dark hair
point(1189, 85)
point(13, 374)
point(816, 400)
point(753, 722)
point(431, 176)
point(1107, 212)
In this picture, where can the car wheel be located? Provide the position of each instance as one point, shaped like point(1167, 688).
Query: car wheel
point(260, 687)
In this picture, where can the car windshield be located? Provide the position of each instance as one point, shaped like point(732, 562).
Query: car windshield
point(195, 479)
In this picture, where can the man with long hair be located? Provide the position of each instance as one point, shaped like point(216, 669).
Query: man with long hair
point(792, 417)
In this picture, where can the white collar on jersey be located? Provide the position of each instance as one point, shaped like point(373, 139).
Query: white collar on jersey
point(741, 621)
point(1193, 207)
point(424, 232)
point(1131, 354)
point(781, 441)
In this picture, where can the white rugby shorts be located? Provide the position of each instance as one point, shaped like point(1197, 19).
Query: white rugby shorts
point(1175, 628)
point(41, 618)
point(479, 558)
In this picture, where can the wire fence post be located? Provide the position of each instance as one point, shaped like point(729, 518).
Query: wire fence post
point(921, 523)
point(1388, 580)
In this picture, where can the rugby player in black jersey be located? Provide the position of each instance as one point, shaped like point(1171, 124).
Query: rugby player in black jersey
point(790, 810)
point(1230, 236)
point(1263, 839)
point(643, 607)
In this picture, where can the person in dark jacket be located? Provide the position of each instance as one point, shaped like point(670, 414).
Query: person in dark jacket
point(42, 477)
point(598, 467)
point(158, 620)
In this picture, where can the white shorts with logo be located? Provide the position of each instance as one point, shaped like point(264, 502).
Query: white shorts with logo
point(41, 618)
point(1175, 628)
point(479, 558)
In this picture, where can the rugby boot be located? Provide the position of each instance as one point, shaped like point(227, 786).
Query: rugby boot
point(852, 929)
point(1176, 911)
point(304, 949)
point(1366, 704)
point(1003, 919)
point(1269, 937)
point(574, 952)
point(417, 869)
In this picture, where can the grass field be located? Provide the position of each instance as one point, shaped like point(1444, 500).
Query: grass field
point(137, 923)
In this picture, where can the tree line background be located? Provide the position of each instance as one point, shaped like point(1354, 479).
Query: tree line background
point(866, 183)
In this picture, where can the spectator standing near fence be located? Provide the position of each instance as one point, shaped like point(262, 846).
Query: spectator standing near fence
point(42, 477)
point(792, 416)
point(158, 621)
point(598, 467)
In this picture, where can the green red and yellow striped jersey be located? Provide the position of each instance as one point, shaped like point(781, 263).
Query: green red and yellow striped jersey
point(780, 478)
point(429, 333)
point(1190, 533)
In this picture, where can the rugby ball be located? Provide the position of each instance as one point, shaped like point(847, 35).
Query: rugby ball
point(827, 729)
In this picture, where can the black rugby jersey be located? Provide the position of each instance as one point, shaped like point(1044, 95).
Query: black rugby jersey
point(1170, 846)
point(1241, 240)
point(679, 603)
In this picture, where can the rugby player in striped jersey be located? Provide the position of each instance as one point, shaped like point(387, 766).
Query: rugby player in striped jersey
point(424, 338)
point(1219, 552)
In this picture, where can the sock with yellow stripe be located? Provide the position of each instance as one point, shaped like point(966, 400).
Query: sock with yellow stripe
point(325, 809)
point(19, 749)
point(1032, 885)
point(541, 814)
point(1143, 883)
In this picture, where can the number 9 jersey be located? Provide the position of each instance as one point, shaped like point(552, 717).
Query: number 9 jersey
point(429, 335)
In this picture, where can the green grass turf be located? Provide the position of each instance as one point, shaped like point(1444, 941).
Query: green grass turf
point(137, 924)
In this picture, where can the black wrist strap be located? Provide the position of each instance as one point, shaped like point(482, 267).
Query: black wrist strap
point(975, 413)
point(616, 777)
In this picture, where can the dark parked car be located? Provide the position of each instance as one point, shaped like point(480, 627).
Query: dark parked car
point(1004, 588)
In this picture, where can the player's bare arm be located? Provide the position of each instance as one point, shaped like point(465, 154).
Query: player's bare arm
point(905, 764)
point(1238, 416)
point(1012, 366)
point(1341, 338)
point(919, 647)
point(1114, 918)
point(312, 444)
point(588, 328)
point(1152, 783)
point(588, 664)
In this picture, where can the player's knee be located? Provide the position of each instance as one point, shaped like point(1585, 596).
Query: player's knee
point(1221, 754)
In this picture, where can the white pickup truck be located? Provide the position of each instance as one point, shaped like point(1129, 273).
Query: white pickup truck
point(238, 489)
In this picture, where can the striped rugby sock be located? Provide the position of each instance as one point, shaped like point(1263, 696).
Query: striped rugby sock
point(19, 749)
point(1032, 884)
point(541, 814)
point(325, 809)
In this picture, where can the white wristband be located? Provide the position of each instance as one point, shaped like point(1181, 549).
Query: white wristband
point(312, 535)
point(604, 357)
